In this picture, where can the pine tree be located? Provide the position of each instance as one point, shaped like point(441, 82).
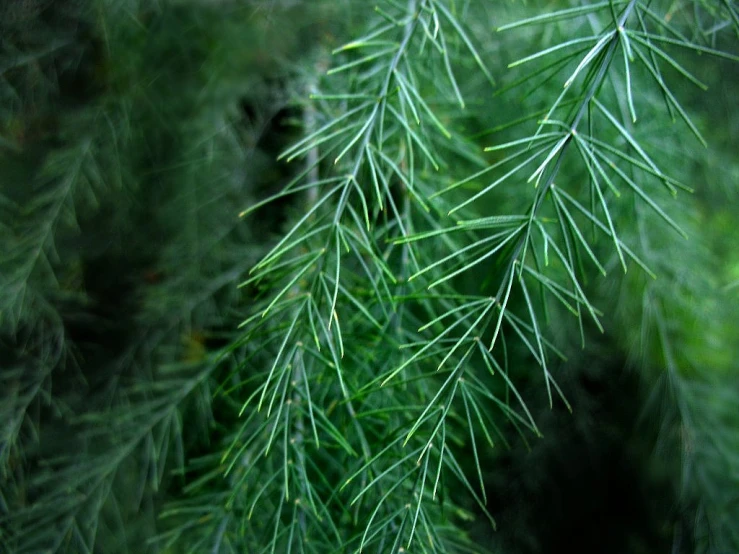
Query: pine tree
point(450, 269)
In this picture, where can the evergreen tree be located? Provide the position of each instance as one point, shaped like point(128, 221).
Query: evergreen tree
point(413, 276)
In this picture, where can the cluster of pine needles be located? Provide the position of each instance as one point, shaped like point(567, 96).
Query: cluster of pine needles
point(315, 277)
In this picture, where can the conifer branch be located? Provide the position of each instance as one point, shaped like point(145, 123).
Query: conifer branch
point(411, 269)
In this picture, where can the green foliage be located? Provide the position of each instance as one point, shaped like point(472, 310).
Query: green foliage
point(458, 222)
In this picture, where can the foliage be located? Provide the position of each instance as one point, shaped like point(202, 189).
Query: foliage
point(460, 224)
